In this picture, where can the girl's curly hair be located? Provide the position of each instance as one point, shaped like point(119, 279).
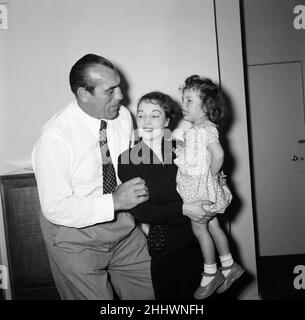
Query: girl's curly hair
point(210, 95)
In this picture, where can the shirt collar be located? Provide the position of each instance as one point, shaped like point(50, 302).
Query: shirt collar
point(201, 122)
point(92, 123)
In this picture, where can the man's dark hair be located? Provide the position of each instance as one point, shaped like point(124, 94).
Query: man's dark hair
point(79, 76)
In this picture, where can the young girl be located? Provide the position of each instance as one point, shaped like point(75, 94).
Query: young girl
point(199, 164)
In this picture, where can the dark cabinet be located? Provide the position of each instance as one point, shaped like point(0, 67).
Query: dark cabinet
point(29, 269)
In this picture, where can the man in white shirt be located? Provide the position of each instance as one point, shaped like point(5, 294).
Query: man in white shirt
point(92, 242)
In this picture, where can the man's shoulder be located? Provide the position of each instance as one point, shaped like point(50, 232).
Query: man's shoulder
point(60, 121)
point(61, 118)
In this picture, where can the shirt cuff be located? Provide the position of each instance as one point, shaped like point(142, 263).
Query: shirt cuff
point(104, 208)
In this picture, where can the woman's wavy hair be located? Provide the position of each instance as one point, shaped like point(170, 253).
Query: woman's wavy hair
point(171, 108)
point(210, 95)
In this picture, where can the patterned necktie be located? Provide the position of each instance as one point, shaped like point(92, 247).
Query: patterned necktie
point(109, 178)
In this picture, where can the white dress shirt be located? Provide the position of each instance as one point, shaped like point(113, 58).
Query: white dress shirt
point(68, 166)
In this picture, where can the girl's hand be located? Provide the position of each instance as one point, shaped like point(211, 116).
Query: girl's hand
point(222, 179)
point(178, 151)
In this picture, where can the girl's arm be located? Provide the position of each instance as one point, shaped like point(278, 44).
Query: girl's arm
point(217, 157)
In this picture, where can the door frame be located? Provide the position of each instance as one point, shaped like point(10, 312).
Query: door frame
point(232, 80)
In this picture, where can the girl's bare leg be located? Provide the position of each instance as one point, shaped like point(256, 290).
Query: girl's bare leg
point(219, 237)
point(202, 233)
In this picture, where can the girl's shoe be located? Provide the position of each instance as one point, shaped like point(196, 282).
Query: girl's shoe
point(206, 291)
point(235, 272)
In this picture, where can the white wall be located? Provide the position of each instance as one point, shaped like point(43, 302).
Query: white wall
point(156, 44)
point(232, 81)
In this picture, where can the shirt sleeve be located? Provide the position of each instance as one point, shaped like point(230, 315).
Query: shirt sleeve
point(148, 212)
point(59, 203)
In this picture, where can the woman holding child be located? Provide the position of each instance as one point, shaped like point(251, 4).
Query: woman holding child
point(177, 255)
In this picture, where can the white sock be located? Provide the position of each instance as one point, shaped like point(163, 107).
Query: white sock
point(226, 261)
point(210, 269)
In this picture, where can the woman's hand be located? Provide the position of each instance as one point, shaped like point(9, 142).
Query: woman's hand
point(196, 212)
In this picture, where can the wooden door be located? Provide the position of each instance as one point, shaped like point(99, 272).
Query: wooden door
point(276, 107)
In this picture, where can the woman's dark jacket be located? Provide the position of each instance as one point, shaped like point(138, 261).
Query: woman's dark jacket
point(169, 229)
